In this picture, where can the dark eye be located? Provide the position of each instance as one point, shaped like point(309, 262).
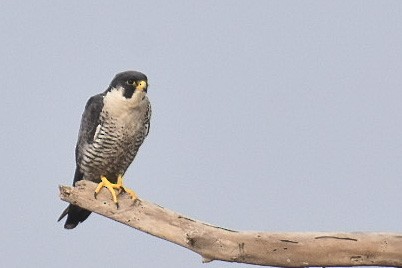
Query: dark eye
point(130, 81)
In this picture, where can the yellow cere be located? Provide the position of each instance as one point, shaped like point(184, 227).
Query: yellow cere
point(141, 85)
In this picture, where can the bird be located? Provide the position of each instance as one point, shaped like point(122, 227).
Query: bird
point(113, 126)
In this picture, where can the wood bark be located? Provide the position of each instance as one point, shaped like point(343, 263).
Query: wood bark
point(285, 249)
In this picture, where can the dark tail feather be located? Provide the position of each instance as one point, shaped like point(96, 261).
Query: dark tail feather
point(75, 215)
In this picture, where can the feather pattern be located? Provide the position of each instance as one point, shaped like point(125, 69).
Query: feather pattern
point(113, 127)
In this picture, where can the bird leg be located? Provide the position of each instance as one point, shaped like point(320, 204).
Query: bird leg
point(125, 189)
point(112, 186)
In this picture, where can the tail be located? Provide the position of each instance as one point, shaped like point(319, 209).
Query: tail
point(75, 215)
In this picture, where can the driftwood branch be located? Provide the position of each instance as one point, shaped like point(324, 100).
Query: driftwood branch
point(262, 248)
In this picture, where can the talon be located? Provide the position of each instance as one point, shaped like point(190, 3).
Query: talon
point(98, 188)
point(119, 184)
point(115, 186)
point(130, 192)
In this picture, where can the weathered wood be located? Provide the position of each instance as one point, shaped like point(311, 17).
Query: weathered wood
point(290, 249)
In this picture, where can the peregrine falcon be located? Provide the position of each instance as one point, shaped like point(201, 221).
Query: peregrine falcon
point(113, 126)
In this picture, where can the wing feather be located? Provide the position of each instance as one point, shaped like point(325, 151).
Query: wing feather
point(89, 123)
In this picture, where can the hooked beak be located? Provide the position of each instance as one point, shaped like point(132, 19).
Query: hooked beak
point(141, 86)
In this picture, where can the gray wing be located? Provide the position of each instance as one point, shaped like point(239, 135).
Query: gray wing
point(148, 119)
point(89, 122)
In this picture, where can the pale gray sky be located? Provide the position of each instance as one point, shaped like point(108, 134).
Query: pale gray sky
point(267, 115)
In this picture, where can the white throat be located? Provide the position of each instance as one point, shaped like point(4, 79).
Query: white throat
point(116, 104)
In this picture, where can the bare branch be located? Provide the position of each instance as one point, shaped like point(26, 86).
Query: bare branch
point(262, 248)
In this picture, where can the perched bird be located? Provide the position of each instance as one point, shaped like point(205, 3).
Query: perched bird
point(113, 126)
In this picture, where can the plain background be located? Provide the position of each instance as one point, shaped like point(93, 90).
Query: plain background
point(267, 115)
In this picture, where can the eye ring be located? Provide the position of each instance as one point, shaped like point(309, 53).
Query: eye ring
point(130, 81)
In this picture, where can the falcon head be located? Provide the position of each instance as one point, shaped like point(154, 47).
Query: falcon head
point(130, 82)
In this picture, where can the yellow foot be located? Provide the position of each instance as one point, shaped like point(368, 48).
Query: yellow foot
point(112, 186)
point(125, 189)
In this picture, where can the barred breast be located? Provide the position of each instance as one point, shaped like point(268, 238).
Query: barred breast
point(116, 142)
